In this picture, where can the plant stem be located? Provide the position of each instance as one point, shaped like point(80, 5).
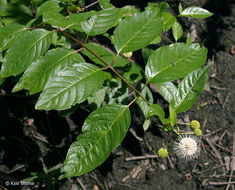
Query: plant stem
point(133, 88)
point(90, 5)
point(83, 45)
point(183, 123)
point(115, 59)
point(109, 66)
point(166, 38)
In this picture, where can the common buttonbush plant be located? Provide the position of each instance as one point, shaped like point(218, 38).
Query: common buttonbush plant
point(55, 54)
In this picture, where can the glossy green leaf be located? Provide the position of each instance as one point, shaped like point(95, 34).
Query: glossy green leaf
point(180, 8)
point(76, 19)
point(56, 19)
point(49, 6)
point(72, 85)
point(97, 99)
point(105, 54)
point(134, 73)
point(189, 89)
point(157, 110)
point(163, 6)
point(156, 40)
point(105, 4)
point(177, 31)
point(146, 52)
point(173, 116)
point(137, 31)
point(146, 124)
point(25, 51)
point(39, 72)
point(167, 90)
point(143, 106)
point(168, 21)
point(196, 12)
point(188, 40)
point(100, 23)
point(117, 92)
point(9, 34)
point(127, 11)
point(103, 130)
point(174, 61)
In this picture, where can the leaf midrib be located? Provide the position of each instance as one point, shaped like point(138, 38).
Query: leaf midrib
point(150, 20)
point(30, 47)
point(102, 136)
point(14, 33)
point(70, 86)
point(183, 100)
point(170, 65)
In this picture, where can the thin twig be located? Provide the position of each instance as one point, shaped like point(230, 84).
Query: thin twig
point(110, 67)
point(231, 172)
point(17, 168)
point(220, 183)
point(135, 135)
point(86, 7)
point(141, 157)
point(93, 175)
point(225, 101)
point(81, 184)
point(170, 162)
point(166, 38)
point(222, 136)
point(215, 151)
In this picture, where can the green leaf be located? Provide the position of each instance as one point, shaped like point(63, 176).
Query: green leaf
point(105, 4)
point(9, 34)
point(25, 51)
point(146, 52)
point(117, 92)
point(156, 40)
point(76, 19)
point(196, 12)
point(127, 11)
point(103, 130)
point(167, 90)
point(168, 21)
point(157, 110)
point(56, 19)
point(72, 85)
point(188, 40)
point(174, 61)
point(146, 124)
point(173, 116)
point(143, 106)
point(134, 73)
point(180, 8)
point(49, 6)
point(163, 6)
point(104, 53)
point(97, 99)
point(177, 31)
point(39, 72)
point(100, 23)
point(137, 31)
point(189, 89)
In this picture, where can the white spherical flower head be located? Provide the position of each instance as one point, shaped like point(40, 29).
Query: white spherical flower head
point(187, 147)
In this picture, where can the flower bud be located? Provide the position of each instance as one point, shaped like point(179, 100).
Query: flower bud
point(127, 55)
point(197, 132)
point(195, 124)
point(162, 153)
